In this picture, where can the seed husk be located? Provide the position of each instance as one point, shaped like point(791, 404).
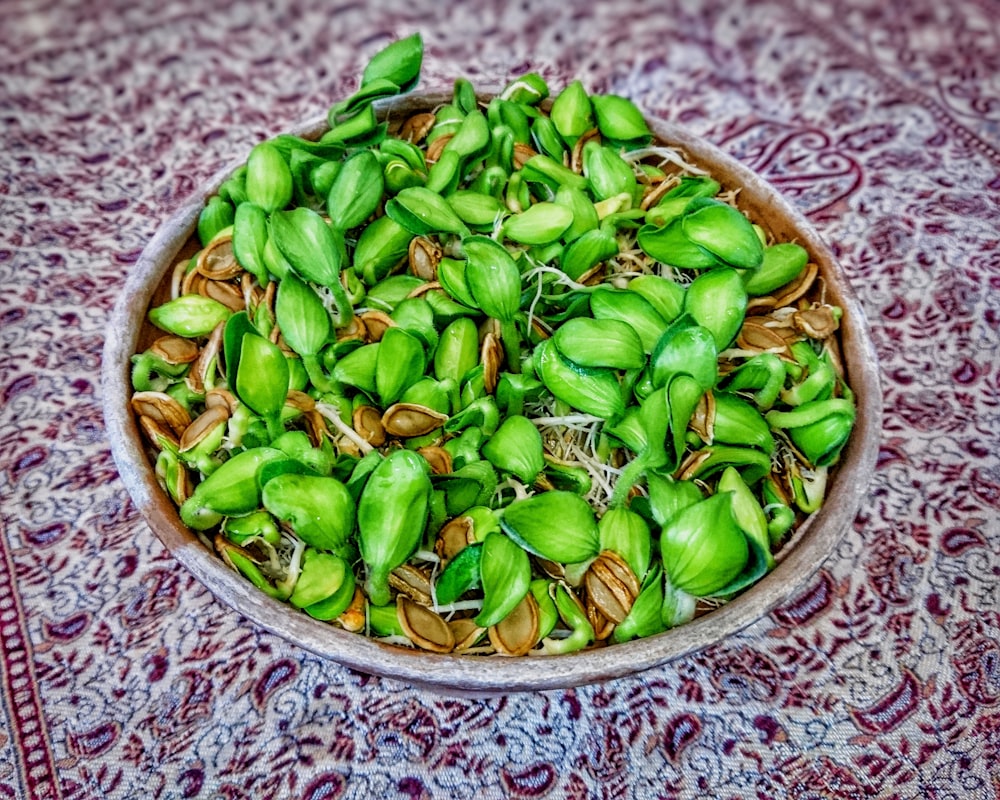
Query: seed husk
point(202, 426)
point(611, 586)
point(159, 434)
point(175, 349)
point(816, 322)
point(374, 324)
point(466, 633)
point(517, 633)
point(413, 582)
point(454, 536)
point(163, 409)
point(425, 628)
point(424, 255)
point(438, 458)
point(217, 261)
point(408, 420)
point(367, 421)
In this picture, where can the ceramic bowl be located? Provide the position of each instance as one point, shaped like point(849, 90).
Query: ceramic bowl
point(129, 332)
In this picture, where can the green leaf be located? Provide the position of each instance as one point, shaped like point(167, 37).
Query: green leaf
point(268, 179)
point(717, 301)
point(301, 316)
point(539, 223)
point(556, 525)
point(250, 239)
point(685, 348)
point(572, 112)
point(492, 276)
point(589, 389)
point(516, 447)
point(724, 231)
point(422, 211)
point(619, 119)
point(505, 572)
point(262, 377)
point(398, 63)
point(311, 246)
point(668, 245)
point(399, 364)
point(356, 191)
point(600, 343)
point(703, 548)
point(319, 509)
point(460, 575)
point(780, 264)
point(190, 315)
point(392, 515)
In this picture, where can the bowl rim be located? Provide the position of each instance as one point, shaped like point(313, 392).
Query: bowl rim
point(471, 675)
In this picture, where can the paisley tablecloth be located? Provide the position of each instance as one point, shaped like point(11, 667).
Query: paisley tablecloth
point(122, 677)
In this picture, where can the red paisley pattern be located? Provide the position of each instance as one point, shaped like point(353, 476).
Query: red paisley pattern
point(880, 677)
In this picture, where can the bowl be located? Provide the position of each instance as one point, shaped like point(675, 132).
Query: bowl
point(129, 332)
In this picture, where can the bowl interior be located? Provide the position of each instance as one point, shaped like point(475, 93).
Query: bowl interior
point(130, 332)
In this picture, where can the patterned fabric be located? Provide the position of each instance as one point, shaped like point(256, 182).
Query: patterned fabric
point(122, 677)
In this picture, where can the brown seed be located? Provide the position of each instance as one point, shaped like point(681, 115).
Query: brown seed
point(162, 408)
point(552, 568)
point(816, 322)
point(175, 349)
point(425, 628)
point(517, 633)
point(407, 420)
point(355, 329)
point(183, 484)
point(221, 397)
point(252, 293)
point(435, 148)
point(703, 419)
point(453, 537)
point(424, 257)
point(832, 347)
point(177, 274)
point(300, 400)
point(594, 275)
point(375, 324)
point(229, 294)
point(270, 295)
point(158, 433)
point(202, 426)
point(217, 261)
point(794, 289)
point(691, 465)
point(413, 582)
point(367, 421)
point(347, 446)
point(611, 586)
point(491, 355)
point(425, 287)
point(522, 154)
point(316, 427)
point(759, 305)
point(603, 627)
point(576, 160)
point(466, 633)
point(416, 127)
point(438, 458)
point(759, 338)
point(200, 374)
point(192, 282)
